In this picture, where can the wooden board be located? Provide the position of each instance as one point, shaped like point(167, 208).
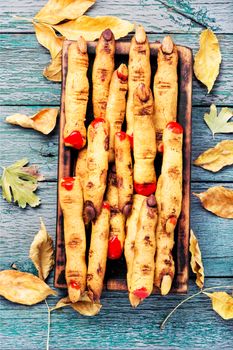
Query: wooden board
point(116, 270)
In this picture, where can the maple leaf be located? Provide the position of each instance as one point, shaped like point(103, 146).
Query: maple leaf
point(219, 123)
point(41, 252)
point(18, 184)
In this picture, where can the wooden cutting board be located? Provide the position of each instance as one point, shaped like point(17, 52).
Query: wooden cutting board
point(116, 269)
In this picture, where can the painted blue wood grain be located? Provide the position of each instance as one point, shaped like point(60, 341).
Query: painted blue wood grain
point(22, 82)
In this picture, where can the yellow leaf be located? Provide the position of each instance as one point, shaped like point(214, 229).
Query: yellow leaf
point(222, 303)
point(23, 288)
point(47, 37)
point(56, 11)
point(218, 200)
point(92, 27)
point(207, 59)
point(86, 307)
point(53, 71)
point(43, 121)
point(217, 157)
point(196, 261)
point(41, 252)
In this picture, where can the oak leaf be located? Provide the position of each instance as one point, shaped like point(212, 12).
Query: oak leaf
point(219, 123)
point(41, 252)
point(19, 185)
point(92, 27)
point(214, 159)
point(218, 200)
point(43, 121)
point(196, 260)
point(222, 303)
point(84, 306)
point(23, 288)
point(56, 11)
point(207, 59)
point(53, 70)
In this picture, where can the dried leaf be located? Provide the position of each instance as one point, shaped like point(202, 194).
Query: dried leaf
point(219, 123)
point(218, 200)
point(217, 157)
point(207, 59)
point(62, 303)
point(53, 71)
point(56, 11)
point(47, 37)
point(222, 303)
point(86, 307)
point(23, 288)
point(18, 185)
point(196, 261)
point(43, 121)
point(41, 252)
point(92, 27)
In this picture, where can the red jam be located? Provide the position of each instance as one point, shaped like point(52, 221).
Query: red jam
point(114, 248)
point(141, 293)
point(121, 135)
point(173, 220)
point(131, 141)
point(175, 127)
point(96, 122)
point(122, 76)
point(106, 205)
point(145, 189)
point(161, 148)
point(68, 183)
point(74, 284)
point(75, 139)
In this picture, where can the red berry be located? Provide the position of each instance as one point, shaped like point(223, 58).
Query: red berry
point(145, 189)
point(141, 293)
point(74, 284)
point(121, 135)
point(97, 121)
point(106, 205)
point(68, 183)
point(75, 139)
point(114, 248)
point(175, 127)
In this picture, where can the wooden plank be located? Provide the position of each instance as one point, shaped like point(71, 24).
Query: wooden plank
point(43, 149)
point(214, 233)
point(24, 59)
point(119, 326)
point(156, 15)
point(66, 168)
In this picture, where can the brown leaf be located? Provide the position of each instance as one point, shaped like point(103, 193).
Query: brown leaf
point(217, 157)
point(207, 59)
point(56, 11)
point(53, 71)
point(43, 121)
point(41, 252)
point(222, 303)
point(218, 200)
point(47, 37)
point(34, 171)
point(84, 306)
point(92, 27)
point(196, 261)
point(23, 288)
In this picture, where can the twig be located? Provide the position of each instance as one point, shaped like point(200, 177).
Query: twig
point(49, 321)
point(23, 18)
point(190, 297)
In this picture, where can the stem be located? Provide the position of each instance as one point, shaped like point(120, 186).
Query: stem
point(49, 321)
point(190, 297)
point(23, 18)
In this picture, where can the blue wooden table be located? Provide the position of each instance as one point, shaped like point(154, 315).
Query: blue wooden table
point(23, 89)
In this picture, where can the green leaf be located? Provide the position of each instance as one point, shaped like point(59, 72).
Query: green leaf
point(219, 123)
point(19, 183)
